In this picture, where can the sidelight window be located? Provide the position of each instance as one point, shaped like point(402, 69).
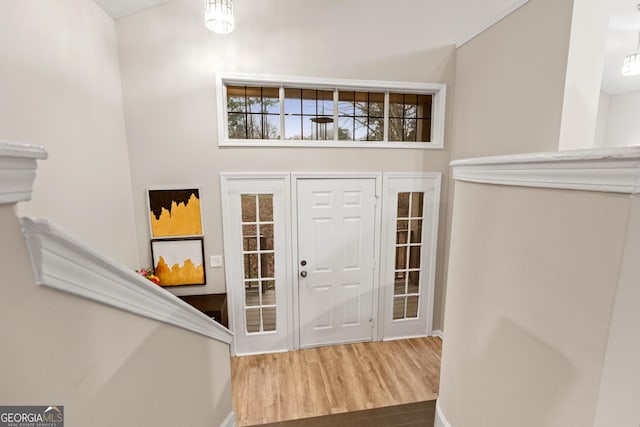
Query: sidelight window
point(258, 262)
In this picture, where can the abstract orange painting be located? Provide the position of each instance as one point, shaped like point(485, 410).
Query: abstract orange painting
point(174, 213)
point(178, 262)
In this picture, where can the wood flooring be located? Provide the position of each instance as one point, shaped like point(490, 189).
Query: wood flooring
point(335, 379)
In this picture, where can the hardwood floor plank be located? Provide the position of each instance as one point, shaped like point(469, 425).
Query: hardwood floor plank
point(334, 380)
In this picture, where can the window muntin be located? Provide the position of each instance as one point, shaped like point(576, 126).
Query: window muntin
point(308, 114)
point(258, 262)
point(329, 112)
point(406, 289)
point(410, 117)
point(253, 112)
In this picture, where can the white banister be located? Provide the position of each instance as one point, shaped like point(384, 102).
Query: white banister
point(60, 261)
point(615, 169)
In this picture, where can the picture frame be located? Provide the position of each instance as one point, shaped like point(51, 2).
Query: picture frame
point(174, 212)
point(179, 261)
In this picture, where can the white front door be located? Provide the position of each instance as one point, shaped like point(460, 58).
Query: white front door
point(336, 260)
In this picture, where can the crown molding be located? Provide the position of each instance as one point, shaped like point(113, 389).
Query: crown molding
point(611, 170)
point(62, 262)
point(18, 164)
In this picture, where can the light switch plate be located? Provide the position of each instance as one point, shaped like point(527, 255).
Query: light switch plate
point(215, 261)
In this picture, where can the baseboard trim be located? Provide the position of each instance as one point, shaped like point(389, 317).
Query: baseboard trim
point(440, 420)
point(438, 333)
point(230, 421)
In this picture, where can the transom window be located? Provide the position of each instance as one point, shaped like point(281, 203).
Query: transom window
point(332, 113)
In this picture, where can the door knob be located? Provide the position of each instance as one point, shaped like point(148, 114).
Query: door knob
point(303, 262)
point(303, 273)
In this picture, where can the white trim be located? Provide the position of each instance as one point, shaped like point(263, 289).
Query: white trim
point(230, 421)
point(612, 169)
point(62, 262)
point(438, 90)
point(18, 170)
point(394, 183)
point(229, 182)
point(471, 34)
point(440, 419)
point(438, 333)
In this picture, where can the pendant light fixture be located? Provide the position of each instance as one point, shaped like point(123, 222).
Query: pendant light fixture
point(631, 66)
point(218, 16)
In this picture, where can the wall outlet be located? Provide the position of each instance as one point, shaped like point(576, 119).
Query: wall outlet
point(215, 261)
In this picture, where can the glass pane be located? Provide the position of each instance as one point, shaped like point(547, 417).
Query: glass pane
point(375, 130)
point(318, 128)
point(376, 104)
point(410, 130)
point(396, 105)
point(235, 99)
point(251, 296)
point(292, 101)
point(401, 257)
point(254, 126)
point(345, 128)
point(248, 207)
point(410, 101)
point(398, 308)
point(309, 102)
point(254, 103)
point(250, 266)
point(424, 106)
point(253, 319)
point(325, 102)
point(395, 129)
point(415, 230)
point(271, 126)
point(417, 200)
point(412, 307)
point(399, 283)
point(360, 130)
point(403, 205)
point(402, 232)
point(346, 104)
point(269, 292)
point(269, 319)
point(250, 242)
point(266, 237)
point(293, 127)
point(413, 284)
point(414, 257)
point(237, 125)
point(265, 202)
point(424, 130)
point(271, 100)
point(266, 265)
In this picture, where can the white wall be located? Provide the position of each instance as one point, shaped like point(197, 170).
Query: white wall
point(600, 137)
point(623, 126)
point(589, 27)
point(60, 88)
point(169, 60)
point(106, 366)
point(510, 82)
point(532, 282)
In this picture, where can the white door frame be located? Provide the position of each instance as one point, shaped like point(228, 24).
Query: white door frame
point(233, 263)
point(295, 176)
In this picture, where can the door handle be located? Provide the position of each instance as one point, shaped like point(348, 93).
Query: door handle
point(303, 273)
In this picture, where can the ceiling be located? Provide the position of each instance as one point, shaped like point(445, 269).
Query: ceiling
point(120, 8)
point(622, 40)
point(466, 18)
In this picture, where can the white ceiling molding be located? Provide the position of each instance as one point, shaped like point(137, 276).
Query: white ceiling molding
point(612, 170)
point(474, 31)
point(62, 262)
point(120, 8)
point(18, 170)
